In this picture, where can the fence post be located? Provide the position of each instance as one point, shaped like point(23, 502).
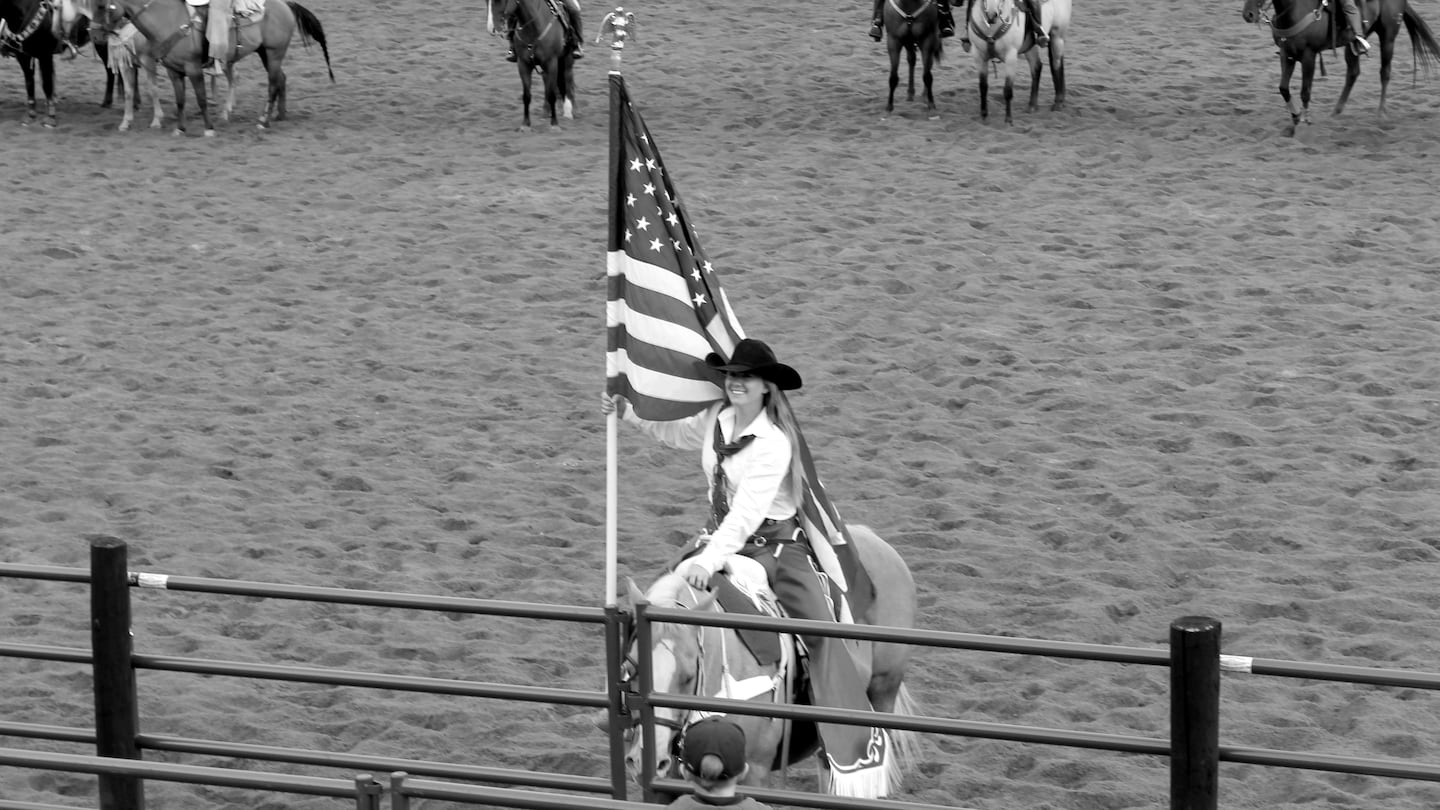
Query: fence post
point(1194, 713)
point(644, 643)
point(399, 799)
point(615, 644)
point(367, 792)
point(116, 706)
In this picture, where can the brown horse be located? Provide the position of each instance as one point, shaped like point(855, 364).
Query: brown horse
point(1303, 28)
point(541, 43)
point(913, 26)
point(713, 662)
point(180, 47)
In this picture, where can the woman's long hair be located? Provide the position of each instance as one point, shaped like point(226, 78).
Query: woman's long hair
point(777, 407)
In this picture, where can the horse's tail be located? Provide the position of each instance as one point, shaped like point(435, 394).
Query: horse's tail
point(907, 743)
point(1423, 44)
point(310, 28)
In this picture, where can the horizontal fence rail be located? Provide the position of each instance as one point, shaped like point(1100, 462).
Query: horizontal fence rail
point(621, 697)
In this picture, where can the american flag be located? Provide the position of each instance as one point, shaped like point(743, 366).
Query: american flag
point(665, 311)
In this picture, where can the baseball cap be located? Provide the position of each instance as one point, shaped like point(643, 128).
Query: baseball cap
point(717, 736)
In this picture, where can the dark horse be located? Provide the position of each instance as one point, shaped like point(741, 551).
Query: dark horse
point(180, 47)
point(541, 43)
point(1303, 28)
point(34, 34)
point(912, 25)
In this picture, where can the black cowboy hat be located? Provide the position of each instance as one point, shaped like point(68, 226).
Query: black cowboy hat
point(754, 357)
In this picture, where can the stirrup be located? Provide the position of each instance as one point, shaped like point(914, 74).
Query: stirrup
point(576, 52)
point(1359, 46)
point(877, 32)
point(510, 55)
point(946, 32)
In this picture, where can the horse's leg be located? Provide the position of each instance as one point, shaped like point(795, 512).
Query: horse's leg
point(552, 91)
point(1352, 73)
point(27, 67)
point(1287, 69)
point(177, 81)
point(47, 83)
point(129, 79)
point(102, 50)
point(1387, 52)
point(910, 60)
point(930, 82)
point(1307, 78)
point(894, 73)
point(229, 108)
point(1057, 69)
point(982, 70)
point(1008, 69)
point(202, 100)
point(525, 93)
point(1033, 57)
point(275, 105)
point(157, 118)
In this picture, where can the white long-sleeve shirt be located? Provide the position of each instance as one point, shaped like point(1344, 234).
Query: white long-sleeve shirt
point(758, 476)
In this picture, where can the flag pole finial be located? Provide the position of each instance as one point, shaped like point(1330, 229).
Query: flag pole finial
point(620, 26)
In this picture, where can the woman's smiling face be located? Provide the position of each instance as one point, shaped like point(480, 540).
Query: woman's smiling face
point(742, 387)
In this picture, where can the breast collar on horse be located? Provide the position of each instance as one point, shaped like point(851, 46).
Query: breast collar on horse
point(995, 32)
point(1305, 22)
point(17, 39)
point(911, 16)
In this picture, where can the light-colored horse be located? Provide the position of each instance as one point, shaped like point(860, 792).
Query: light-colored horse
point(128, 52)
point(999, 32)
point(714, 662)
point(181, 50)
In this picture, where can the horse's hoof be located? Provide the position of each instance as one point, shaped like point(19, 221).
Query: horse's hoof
point(124, 127)
point(49, 123)
point(177, 132)
point(209, 133)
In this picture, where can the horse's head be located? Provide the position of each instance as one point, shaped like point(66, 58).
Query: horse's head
point(678, 667)
point(1251, 10)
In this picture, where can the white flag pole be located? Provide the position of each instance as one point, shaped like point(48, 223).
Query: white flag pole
point(618, 24)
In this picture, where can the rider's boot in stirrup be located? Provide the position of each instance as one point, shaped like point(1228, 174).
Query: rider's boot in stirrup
point(1032, 13)
point(947, 20)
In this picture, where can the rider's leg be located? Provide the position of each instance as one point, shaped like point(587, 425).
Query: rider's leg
point(965, 34)
point(877, 23)
point(947, 20)
point(510, 39)
point(1035, 24)
point(572, 8)
point(1358, 44)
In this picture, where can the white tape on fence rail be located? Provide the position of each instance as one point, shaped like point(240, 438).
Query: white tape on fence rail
point(1236, 663)
point(161, 581)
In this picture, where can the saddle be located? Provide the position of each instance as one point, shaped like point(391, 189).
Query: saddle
point(742, 589)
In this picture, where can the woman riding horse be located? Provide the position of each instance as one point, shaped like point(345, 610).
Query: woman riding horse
point(749, 448)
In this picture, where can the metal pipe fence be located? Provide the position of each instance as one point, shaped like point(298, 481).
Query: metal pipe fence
point(1193, 660)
